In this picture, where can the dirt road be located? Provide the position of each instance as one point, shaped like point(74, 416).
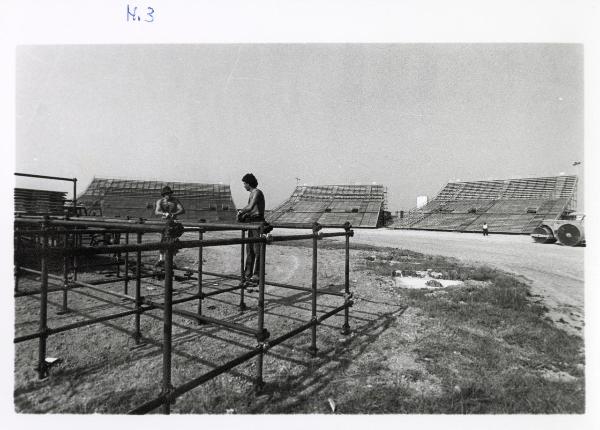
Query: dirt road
point(555, 272)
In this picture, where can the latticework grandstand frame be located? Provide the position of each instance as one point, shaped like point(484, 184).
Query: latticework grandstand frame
point(361, 205)
point(137, 199)
point(508, 206)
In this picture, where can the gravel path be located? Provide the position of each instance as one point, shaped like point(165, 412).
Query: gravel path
point(556, 272)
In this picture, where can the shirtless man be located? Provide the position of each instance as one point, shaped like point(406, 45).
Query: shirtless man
point(168, 207)
point(254, 211)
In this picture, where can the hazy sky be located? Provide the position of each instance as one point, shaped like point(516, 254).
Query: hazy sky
point(409, 116)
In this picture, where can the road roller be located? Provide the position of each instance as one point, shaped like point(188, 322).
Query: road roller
point(568, 231)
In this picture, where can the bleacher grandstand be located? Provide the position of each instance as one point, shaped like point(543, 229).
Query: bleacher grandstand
point(137, 199)
point(507, 206)
point(361, 205)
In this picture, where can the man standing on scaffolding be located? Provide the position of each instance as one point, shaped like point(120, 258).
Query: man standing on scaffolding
point(169, 207)
point(254, 211)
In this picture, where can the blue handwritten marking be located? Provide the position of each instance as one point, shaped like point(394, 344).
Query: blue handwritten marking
point(132, 14)
point(150, 14)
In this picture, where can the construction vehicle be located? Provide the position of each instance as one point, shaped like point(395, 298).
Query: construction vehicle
point(568, 230)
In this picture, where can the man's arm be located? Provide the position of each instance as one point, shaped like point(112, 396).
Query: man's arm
point(157, 209)
point(179, 209)
point(253, 201)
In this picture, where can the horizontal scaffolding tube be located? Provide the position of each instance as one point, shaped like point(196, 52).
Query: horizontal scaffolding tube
point(79, 324)
point(153, 246)
point(308, 236)
point(274, 284)
point(188, 224)
point(233, 326)
point(300, 329)
point(348, 233)
point(134, 223)
point(203, 225)
point(222, 290)
point(58, 178)
point(107, 230)
point(61, 222)
point(303, 226)
point(309, 290)
point(37, 272)
point(100, 290)
point(185, 299)
point(96, 282)
point(58, 288)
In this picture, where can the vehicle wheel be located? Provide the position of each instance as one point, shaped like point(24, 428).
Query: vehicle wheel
point(568, 234)
point(543, 234)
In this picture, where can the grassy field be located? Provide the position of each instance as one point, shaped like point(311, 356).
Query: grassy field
point(482, 347)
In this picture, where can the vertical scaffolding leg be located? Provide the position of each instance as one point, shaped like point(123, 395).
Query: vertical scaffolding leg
point(167, 329)
point(42, 367)
point(242, 274)
point(138, 286)
point(126, 287)
point(117, 241)
point(259, 383)
point(200, 268)
point(76, 243)
point(313, 345)
point(16, 259)
point(75, 213)
point(346, 326)
point(64, 309)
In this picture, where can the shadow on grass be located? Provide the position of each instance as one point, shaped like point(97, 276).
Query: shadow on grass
point(290, 393)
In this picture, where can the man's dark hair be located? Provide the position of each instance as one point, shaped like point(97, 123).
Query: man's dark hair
point(250, 179)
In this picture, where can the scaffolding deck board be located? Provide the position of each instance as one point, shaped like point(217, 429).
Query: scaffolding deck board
point(29, 201)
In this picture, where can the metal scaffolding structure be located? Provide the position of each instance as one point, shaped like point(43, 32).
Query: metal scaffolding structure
point(47, 239)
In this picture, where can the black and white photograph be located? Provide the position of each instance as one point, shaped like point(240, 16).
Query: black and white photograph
point(211, 227)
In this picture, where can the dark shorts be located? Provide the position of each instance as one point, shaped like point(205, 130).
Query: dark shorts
point(171, 235)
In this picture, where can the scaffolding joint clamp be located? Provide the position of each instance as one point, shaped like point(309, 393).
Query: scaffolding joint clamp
point(263, 345)
point(268, 238)
point(263, 335)
point(168, 394)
